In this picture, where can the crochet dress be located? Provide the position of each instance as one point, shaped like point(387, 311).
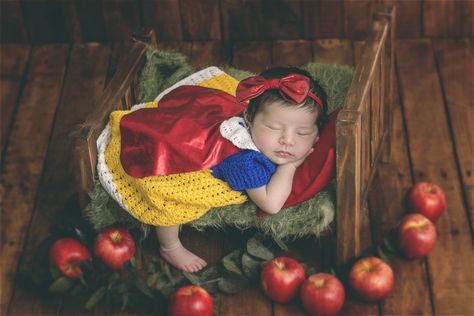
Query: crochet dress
point(173, 180)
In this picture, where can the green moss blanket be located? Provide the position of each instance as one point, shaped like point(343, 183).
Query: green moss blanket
point(311, 217)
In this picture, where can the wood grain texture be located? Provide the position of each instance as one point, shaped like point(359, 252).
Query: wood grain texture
point(252, 56)
point(91, 20)
point(44, 20)
point(409, 23)
point(13, 62)
point(446, 18)
point(323, 19)
point(261, 19)
point(121, 18)
point(411, 292)
point(333, 51)
point(433, 160)
point(357, 18)
point(12, 27)
point(455, 63)
point(25, 155)
point(292, 53)
point(209, 53)
point(164, 17)
point(201, 20)
point(83, 84)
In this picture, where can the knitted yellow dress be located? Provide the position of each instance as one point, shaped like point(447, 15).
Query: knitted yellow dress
point(164, 200)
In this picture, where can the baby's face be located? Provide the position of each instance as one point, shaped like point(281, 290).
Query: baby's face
point(284, 134)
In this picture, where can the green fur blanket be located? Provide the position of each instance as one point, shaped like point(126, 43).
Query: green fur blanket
point(311, 217)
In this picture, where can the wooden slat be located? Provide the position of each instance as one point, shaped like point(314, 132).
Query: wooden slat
point(253, 56)
point(446, 18)
point(261, 20)
point(44, 20)
point(333, 51)
point(209, 53)
point(85, 135)
point(455, 62)
point(90, 16)
point(323, 19)
point(121, 18)
point(357, 16)
point(184, 48)
point(83, 84)
point(409, 24)
point(13, 61)
point(201, 20)
point(25, 156)
point(411, 294)
point(292, 53)
point(433, 160)
point(12, 28)
point(165, 18)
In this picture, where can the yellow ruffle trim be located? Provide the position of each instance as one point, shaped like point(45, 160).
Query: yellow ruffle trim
point(173, 199)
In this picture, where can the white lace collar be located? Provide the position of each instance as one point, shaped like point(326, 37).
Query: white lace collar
point(235, 129)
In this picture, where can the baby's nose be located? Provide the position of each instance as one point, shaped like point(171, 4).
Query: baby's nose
point(286, 139)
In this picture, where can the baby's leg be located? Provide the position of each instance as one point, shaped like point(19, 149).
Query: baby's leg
point(173, 251)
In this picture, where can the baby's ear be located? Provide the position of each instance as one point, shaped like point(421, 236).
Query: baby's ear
point(316, 139)
point(246, 117)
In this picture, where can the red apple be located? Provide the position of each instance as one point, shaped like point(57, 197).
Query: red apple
point(281, 279)
point(67, 254)
point(322, 294)
point(371, 279)
point(114, 246)
point(416, 236)
point(191, 300)
point(427, 199)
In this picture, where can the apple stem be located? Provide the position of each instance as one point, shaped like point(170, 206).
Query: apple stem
point(209, 281)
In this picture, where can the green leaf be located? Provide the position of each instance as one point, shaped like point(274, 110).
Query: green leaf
point(125, 299)
point(55, 273)
point(250, 266)
point(209, 279)
point(232, 284)
point(191, 277)
point(133, 262)
point(256, 248)
point(383, 255)
point(140, 284)
point(61, 285)
point(281, 244)
point(164, 285)
point(387, 241)
point(232, 261)
point(152, 279)
point(96, 297)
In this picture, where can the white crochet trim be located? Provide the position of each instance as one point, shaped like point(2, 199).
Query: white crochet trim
point(234, 129)
point(193, 80)
point(105, 177)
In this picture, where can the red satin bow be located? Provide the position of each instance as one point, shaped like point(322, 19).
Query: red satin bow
point(294, 87)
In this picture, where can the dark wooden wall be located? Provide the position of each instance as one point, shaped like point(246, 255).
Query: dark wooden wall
point(46, 21)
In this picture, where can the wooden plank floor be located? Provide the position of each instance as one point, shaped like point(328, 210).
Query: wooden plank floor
point(47, 89)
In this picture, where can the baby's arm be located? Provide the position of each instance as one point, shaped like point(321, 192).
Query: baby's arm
point(271, 197)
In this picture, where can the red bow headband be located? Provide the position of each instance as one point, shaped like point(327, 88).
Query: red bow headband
point(293, 88)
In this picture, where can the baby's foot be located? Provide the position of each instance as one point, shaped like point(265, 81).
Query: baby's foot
point(181, 258)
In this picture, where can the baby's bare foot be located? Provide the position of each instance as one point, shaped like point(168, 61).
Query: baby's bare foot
point(182, 259)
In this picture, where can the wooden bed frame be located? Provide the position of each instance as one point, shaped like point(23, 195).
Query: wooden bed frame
point(362, 128)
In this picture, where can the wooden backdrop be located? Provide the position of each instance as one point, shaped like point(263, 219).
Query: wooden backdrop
point(46, 21)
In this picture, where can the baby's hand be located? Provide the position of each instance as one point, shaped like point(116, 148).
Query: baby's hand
point(298, 163)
